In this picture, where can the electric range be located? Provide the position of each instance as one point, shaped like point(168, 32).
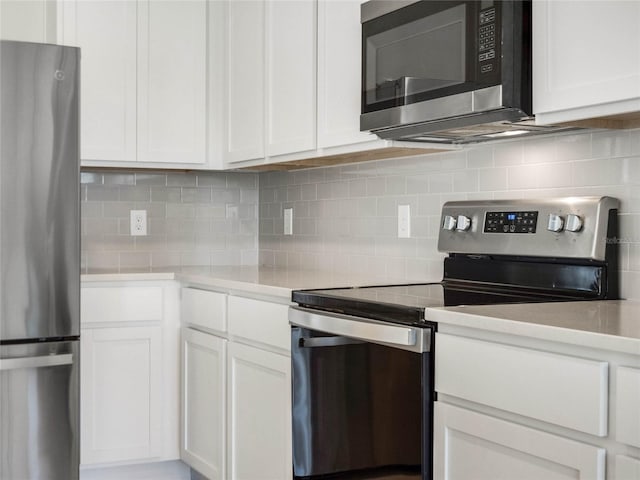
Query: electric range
point(362, 358)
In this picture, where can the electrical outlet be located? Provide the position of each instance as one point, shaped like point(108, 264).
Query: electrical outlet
point(404, 221)
point(288, 221)
point(138, 222)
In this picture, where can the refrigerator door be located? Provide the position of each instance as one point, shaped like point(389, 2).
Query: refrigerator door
point(39, 411)
point(39, 192)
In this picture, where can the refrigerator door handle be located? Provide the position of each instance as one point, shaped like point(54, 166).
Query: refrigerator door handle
point(36, 362)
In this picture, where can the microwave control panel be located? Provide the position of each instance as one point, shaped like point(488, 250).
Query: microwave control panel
point(487, 45)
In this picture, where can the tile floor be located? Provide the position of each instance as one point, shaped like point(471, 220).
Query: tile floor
point(175, 470)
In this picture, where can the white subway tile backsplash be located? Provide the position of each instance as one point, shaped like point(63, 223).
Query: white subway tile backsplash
point(508, 153)
point(573, 147)
point(539, 176)
point(366, 237)
point(186, 220)
point(610, 143)
point(492, 179)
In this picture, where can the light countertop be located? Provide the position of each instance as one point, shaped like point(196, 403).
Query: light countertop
point(606, 324)
point(611, 324)
point(270, 281)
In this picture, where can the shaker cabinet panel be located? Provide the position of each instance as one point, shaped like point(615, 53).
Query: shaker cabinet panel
point(28, 20)
point(143, 80)
point(245, 81)
point(339, 74)
point(259, 423)
point(203, 402)
point(291, 83)
point(525, 381)
point(204, 309)
point(106, 33)
point(121, 395)
point(571, 82)
point(626, 468)
point(628, 406)
point(172, 44)
point(472, 445)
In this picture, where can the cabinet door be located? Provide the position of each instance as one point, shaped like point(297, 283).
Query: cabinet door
point(339, 73)
point(471, 445)
point(106, 32)
point(121, 394)
point(203, 402)
point(586, 59)
point(291, 84)
point(172, 41)
point(28, 20)
point(259, 399)
point(245, 66)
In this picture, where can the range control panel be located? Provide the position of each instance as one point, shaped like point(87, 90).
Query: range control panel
point(571, 227)
point(511, 222)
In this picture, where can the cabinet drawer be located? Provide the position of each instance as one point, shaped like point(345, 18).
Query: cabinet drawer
point(121, 304)
point(567, 391)
point(260, 321)
point(628, 406)
point(627, 468)
point(204, 309)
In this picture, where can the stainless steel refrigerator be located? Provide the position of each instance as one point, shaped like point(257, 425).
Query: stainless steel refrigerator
point(39, 262)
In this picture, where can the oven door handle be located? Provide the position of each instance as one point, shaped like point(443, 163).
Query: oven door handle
point(334, 341)
point(394, 335)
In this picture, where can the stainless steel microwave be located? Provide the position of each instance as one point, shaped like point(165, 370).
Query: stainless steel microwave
point(446, 70)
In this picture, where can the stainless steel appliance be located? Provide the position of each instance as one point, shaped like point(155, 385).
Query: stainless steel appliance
point(362, 358)
point(39, 262)
point(452, 71)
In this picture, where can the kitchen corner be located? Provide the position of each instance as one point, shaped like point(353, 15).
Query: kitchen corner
point(318, 238)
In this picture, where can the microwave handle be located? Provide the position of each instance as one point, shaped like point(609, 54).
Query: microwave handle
point(334, 341)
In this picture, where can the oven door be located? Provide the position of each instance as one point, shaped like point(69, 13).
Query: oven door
point(361, 409)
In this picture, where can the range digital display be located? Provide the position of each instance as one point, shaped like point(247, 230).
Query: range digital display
point(510, 222)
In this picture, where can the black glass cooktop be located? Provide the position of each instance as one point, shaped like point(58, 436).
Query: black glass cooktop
point(407, 303)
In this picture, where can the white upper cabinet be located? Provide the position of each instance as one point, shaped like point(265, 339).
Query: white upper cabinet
point(143, 80)
point(291, 79)
point(339, 74)
point(292, 82)
point(172, 52)
point(106, 33)
point(586, 61)
point(270, 82)
point(245, 81)
point(28, 20)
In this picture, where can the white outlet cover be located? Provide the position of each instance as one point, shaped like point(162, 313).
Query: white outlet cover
point(288, 221)
point(138, 223)
point(404, 221)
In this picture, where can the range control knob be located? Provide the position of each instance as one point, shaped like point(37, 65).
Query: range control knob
point(463, 223)
point(555, 223)
point(574, 223)
point(449, 222)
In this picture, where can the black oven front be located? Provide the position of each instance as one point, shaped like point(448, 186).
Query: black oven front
point(362, 404)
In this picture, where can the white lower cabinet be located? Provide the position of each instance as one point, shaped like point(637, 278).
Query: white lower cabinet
point(129, 411)
point(514, 407)
point(259, 396)
point(203, 402)
point(470, 445)
point(121, 378)
point(236, 387)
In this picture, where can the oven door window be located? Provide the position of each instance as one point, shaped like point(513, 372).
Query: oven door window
point(429, 50)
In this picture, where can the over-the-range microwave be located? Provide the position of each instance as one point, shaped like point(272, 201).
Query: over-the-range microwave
point(452, 71)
